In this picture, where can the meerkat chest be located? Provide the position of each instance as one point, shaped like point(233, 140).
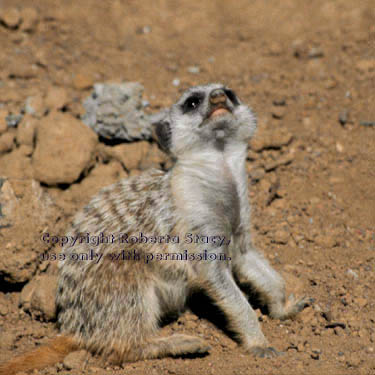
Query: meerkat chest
point(205, 191)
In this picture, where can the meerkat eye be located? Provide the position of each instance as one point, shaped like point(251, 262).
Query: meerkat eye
point(232, 96)
point(192, 103)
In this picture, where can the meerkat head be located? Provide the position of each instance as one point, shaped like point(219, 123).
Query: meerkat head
point(205, 116)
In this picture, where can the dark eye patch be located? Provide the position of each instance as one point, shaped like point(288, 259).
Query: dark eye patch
point(232, 96)
point(192, 102)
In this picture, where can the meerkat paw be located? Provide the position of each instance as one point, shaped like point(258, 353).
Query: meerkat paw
point(290, 308)
point(265, 352)
point(184, 344)
point(295, 305)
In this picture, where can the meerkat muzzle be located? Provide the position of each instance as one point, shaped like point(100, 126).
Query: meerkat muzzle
point(218, 97)
point(218, 101)
point(219, 111)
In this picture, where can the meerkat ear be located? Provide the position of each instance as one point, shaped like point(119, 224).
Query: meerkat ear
point(163, 134)
point(161, 131)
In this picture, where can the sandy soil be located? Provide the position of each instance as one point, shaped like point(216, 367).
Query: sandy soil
point(307, 68)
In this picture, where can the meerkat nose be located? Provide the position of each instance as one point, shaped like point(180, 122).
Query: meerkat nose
point(217, 96)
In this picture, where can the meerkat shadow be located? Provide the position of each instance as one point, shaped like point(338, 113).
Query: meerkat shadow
point(204, 307)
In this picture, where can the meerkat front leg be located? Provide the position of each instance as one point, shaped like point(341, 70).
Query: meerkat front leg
point(250, 267)
point(217, 281)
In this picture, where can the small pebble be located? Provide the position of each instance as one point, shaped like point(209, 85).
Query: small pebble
point(11, 18)
point(13, 120)
point(315, 53)
point(278, 111)
point(176, 82)
point(146, 29)
point(352, 273)
point(367, 123)
point(343, 117)
point(193, 69)
point(339, 147)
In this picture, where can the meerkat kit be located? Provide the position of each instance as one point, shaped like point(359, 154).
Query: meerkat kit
point(113, 307)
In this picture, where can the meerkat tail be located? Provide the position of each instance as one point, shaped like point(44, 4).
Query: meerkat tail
point(46, 355)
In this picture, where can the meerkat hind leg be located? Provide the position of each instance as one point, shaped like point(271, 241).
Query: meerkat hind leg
point(175, 345)
point(254, 269)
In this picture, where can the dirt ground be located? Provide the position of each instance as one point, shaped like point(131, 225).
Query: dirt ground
point(307, 68)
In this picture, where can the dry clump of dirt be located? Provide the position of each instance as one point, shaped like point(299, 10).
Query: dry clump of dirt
point(308, 72)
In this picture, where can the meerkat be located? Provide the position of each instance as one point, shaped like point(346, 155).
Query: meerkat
point(114, 307)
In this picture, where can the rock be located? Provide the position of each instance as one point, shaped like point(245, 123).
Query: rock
point(130, 155)
point(294, 285)
point(26, 131)
point(251, 155)
point(114, 111)
point(281, 236)
point(100, 176)
point(11, 18)
point(26, 295)
point(280, 100)
point(275, 49)
point(65, 148)
point(82, 81)
point(367, 123)
point(282, 160)
point(354, 360)
point(316, 352)
point(257, 144)
point(352, 273)
point(56, 98)
point(26, 211)
point(3, 307)
point(315, 52)
point(343, 117)
point(154, 158)
point(38, 297)
point(339, 147)
point(325, 241)
point(307, 315)
point(335, 325)
point(3, 123)
point(30, 19)
point(193, 69)
point(35, 106)
point(360, 301)
point(16, 165)
point(271, 140)
point(366, 65)
point(41, 58)
point(22, 71)
point(7, 340)
point(75, 360)
point(256, 174)
point(300, 49)
point(330, 83)
point(143, 29)
point(6, 142)
point(13, 120)
point(278, 111)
